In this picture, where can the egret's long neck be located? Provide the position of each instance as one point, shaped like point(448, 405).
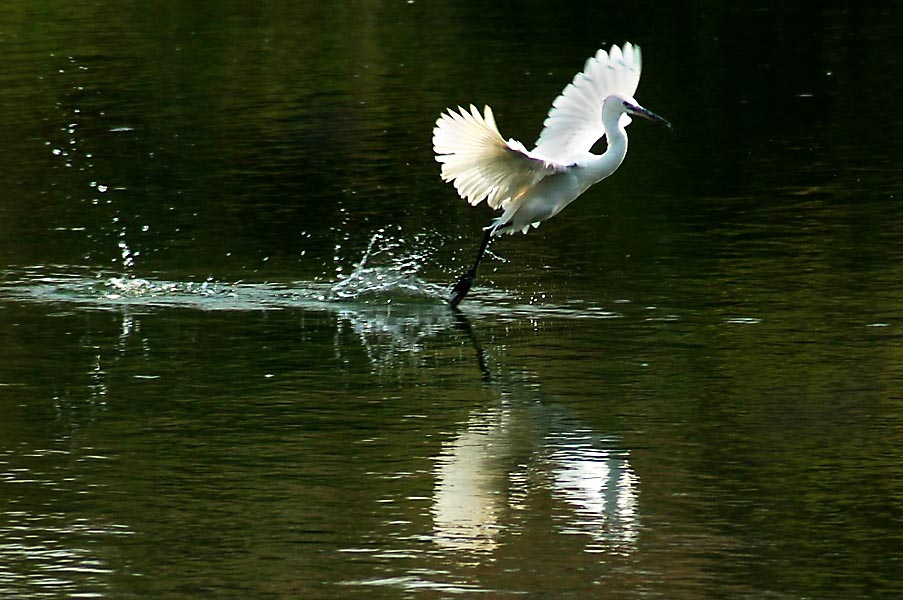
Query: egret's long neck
point(609, 161)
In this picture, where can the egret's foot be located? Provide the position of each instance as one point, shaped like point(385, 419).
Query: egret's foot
point(462, 287)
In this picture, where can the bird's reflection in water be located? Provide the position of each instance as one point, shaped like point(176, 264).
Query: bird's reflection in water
point(483, 477)
point(522, 455)
point(389, 334)
point(525, 450)
point(601, 488)
point(471, 484)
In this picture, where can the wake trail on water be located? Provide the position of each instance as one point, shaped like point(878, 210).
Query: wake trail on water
point(387, 273)
point(387, 277)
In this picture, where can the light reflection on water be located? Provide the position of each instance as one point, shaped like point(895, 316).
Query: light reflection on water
point(46, 547)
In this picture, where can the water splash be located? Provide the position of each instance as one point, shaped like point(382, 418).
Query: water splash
point(386, 273)
point(128, 257)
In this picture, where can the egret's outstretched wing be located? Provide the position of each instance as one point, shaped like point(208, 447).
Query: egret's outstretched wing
point(574, 123)
point(480, 162)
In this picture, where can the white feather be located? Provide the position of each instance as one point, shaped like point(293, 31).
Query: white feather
point(482, 165)
point(574, 123)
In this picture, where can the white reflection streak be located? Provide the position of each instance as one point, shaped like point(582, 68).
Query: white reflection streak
point(602, 489)
point(474, 488)
point(469, 498)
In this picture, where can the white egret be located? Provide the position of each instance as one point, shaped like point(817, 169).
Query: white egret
point(531, 186)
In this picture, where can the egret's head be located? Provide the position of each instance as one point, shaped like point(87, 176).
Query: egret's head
point(632, 107)
point(626, 106)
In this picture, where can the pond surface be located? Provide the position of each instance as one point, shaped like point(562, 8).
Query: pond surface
point(226, 364)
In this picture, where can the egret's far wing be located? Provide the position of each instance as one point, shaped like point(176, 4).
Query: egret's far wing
point(480, 162)
point(574, 123)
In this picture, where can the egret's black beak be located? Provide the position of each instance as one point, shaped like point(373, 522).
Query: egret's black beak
point(647, 114)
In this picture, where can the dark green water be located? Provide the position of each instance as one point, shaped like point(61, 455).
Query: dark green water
point(226, 369)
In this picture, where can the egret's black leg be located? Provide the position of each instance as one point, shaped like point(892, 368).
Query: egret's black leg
point(463, 286)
